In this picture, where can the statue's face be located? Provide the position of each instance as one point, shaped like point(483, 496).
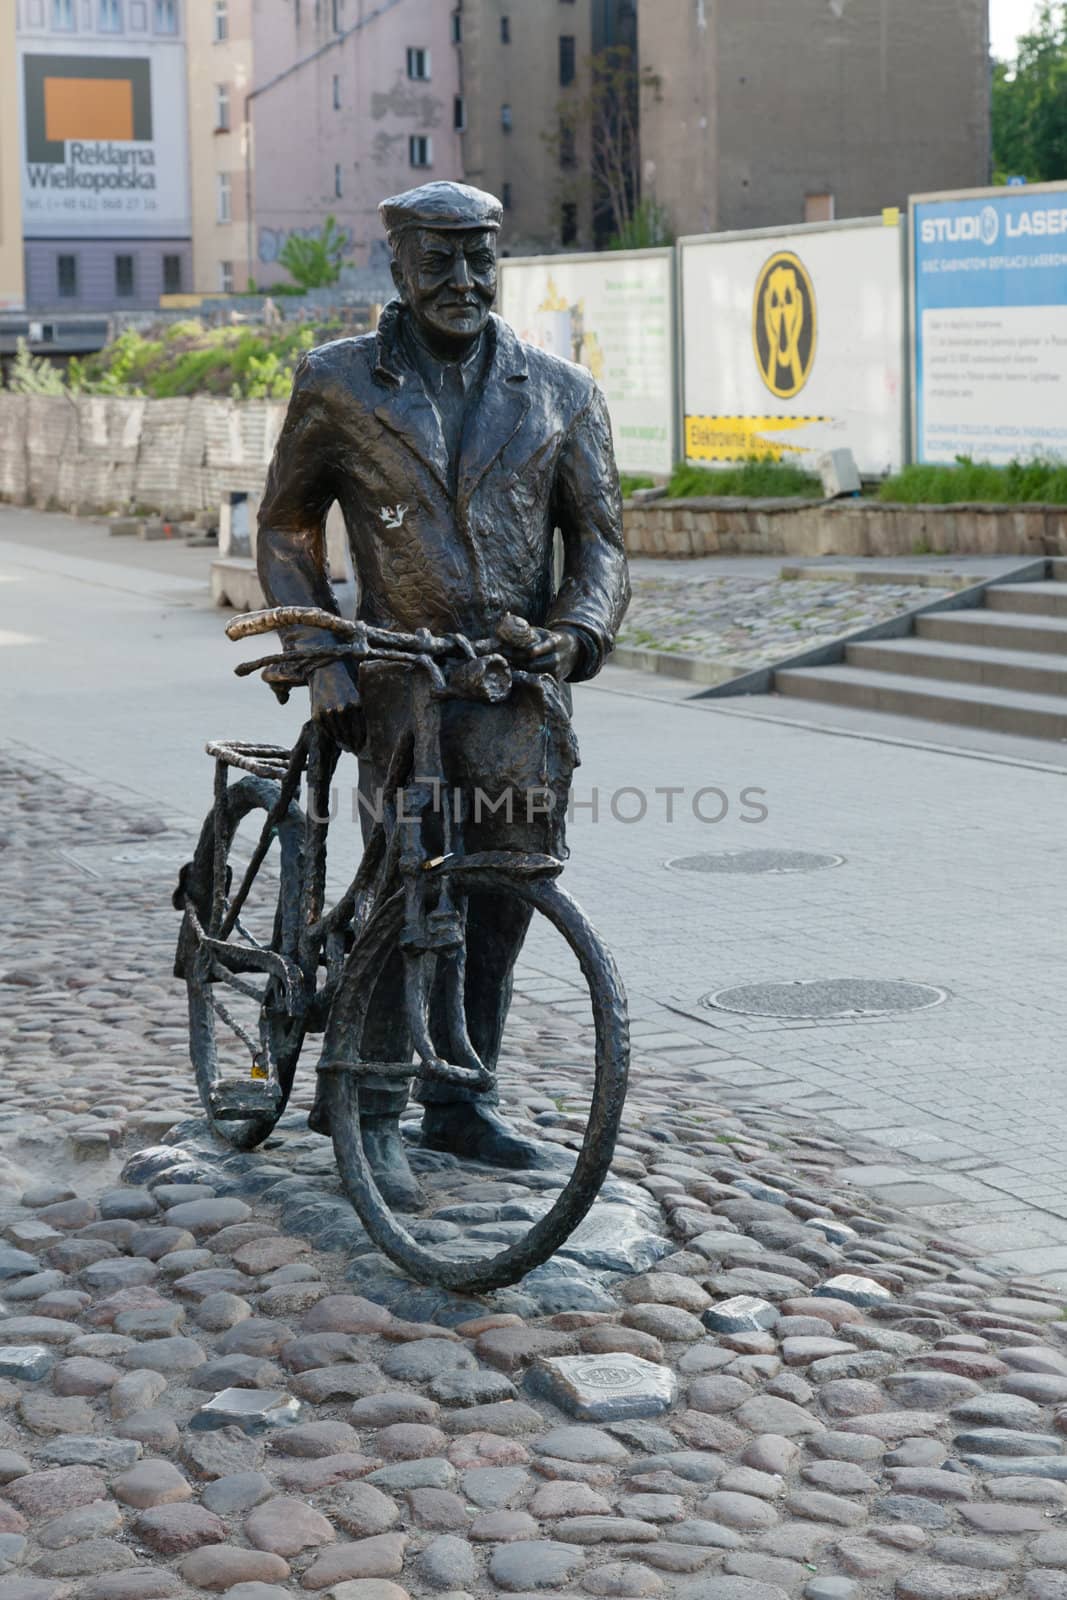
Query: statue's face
point(448, 280)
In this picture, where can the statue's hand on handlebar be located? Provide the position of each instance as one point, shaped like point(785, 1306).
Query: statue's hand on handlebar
point(540, 649)
point(336, 706)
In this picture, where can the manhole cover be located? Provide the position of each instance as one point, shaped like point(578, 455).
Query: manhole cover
point(824, 999)
point(755, 861)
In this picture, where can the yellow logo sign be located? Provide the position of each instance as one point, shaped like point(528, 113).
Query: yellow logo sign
point(784, 325)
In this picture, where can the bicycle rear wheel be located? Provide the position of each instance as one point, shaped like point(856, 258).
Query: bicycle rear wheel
point(244, 1037)
point(341, 1086)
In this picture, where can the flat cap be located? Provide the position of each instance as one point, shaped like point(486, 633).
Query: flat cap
point(445, 207)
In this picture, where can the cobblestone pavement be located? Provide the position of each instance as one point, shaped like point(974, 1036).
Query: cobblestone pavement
point(882, 1415)
point(750, 622)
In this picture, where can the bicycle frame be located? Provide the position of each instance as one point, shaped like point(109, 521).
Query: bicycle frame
point(395, 859)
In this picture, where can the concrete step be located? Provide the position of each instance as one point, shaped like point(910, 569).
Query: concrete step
point(975, 705)
point(996, 630)
point(1037, 599)
point(1027, 670)
point(1059, 569)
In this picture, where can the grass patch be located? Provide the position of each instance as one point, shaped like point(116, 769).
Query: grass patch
point(761, 478)
point(630, 482)
point(1040, 481)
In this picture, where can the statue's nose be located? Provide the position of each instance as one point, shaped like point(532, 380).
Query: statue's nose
point(461, 276)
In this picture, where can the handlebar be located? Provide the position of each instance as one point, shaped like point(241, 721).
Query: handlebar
point(363, 638)
point(482, 672)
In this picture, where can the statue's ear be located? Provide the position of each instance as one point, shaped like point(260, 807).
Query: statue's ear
point(398, 277)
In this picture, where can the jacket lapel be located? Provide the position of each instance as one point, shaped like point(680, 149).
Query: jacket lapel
point(407, 409)
point(498, 411)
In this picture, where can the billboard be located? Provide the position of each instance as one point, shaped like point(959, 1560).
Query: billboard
point(614, 314)
point(793, 343)
point(104, 142)
point(990, 317)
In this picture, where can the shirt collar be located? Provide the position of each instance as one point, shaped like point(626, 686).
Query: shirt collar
point(431, 368)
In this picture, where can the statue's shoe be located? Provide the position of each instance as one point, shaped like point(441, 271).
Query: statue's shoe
point(384, 1148)
point(386, 1156)
point(478, 1133)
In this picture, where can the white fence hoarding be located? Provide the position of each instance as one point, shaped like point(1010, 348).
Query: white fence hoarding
point(614, 314)
point(103, 139)
point(990, 317)
point(794, 343)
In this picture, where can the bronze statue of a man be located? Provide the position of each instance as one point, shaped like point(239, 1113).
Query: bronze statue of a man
point(455, 451)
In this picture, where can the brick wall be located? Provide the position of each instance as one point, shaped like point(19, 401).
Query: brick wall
point(680, 528)
point(93, 454)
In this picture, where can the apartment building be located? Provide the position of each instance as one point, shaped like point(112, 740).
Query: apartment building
point(762, 113)
point(221, 59)
point(11, 288)
point(525, 71)
point(103, 165)
point(303, 109)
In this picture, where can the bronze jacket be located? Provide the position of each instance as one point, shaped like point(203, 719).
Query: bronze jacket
point(536, 454)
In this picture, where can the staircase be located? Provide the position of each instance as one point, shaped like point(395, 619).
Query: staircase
point(1001, 667)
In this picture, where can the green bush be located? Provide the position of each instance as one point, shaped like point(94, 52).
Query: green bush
point(185, 358)
point(759, 478)
point(629, 482)
point(1041, 481)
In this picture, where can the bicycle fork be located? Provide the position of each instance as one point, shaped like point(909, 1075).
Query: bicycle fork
point(433, 940)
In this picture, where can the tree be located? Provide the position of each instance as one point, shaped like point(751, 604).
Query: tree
point(598, 146)
point(1030, 102)
point(313, 261)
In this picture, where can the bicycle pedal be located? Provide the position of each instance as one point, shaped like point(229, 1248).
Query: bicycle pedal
point(247, 1097)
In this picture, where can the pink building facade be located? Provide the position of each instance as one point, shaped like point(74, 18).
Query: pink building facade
point(351, 100)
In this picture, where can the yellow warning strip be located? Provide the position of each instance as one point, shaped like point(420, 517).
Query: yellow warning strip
point(740, 438)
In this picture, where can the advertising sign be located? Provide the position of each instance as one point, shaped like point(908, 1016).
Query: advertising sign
point(103, 142)
point(614, 314)
point(793, 344)
point(990, 298)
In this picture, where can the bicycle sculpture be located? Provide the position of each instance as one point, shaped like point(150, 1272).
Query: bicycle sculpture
point(317, 965)
point(454, 451)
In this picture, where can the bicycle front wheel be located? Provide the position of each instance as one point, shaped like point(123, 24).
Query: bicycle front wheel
point(611, 1068)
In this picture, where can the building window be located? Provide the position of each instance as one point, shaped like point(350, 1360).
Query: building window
point(568, 222)
point(818, 208)
point(505, 30)
point(568, 145)
point(110, 16)
point(63, 18)
point(226, 277)
point(505, 196)
point(505, 118)
point(336, 92)
point(420, 150)
point(222, 21)
point(337, 180)
point(459, 114)
point(172, 274)
point(223, 198)
point(336, 16)
point(166, 14)
point(457, 28)
point(222, 108)
point(123, 276)
point(419, 65)
point(67, 277)
point(567, 58)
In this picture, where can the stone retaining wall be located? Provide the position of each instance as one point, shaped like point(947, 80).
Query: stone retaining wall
point(93, 455)
point(706, 527)
point(90, 454)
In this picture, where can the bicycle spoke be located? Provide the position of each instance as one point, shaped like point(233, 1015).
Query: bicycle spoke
point(222, 974)
point(248, 937)
point(253, 1046)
